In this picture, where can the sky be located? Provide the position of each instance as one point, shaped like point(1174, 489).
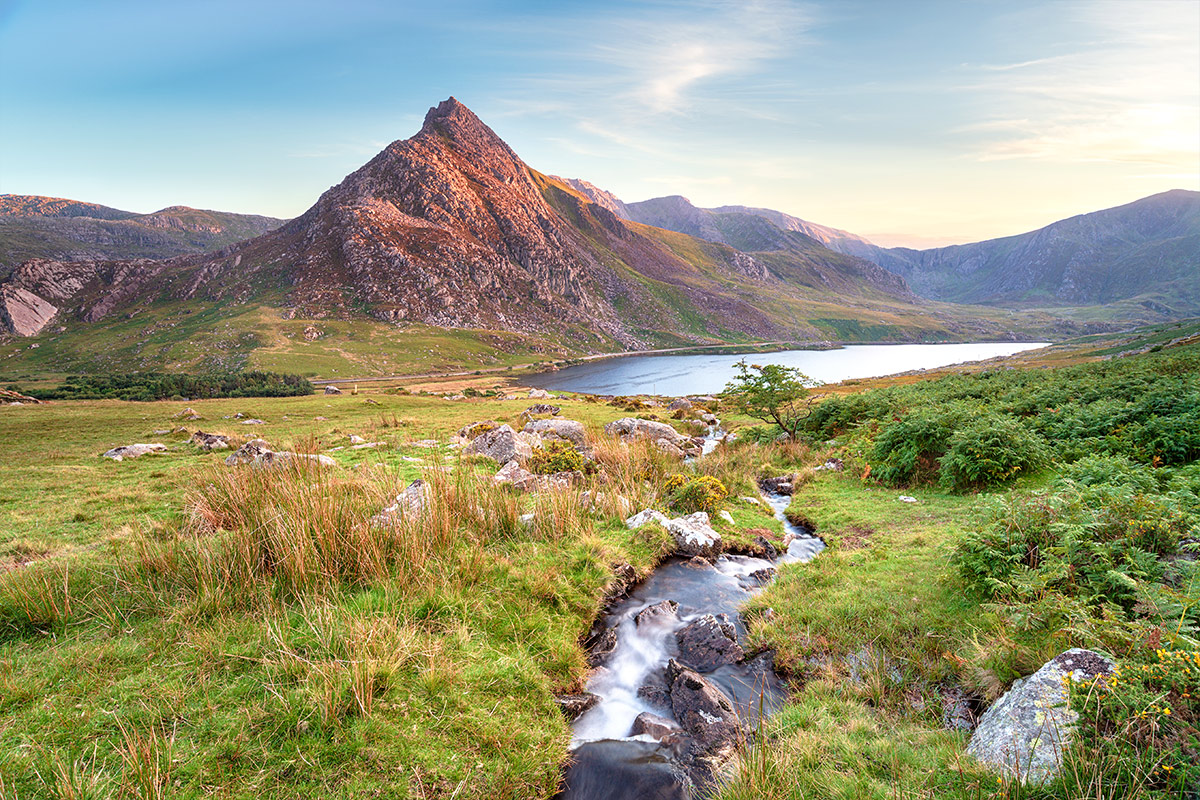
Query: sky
point(915, 123)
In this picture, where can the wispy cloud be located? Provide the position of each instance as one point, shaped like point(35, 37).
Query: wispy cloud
point(1130, 92)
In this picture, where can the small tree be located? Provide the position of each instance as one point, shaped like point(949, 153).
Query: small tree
point(772, 393)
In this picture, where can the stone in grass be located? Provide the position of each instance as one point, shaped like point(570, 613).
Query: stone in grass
point(501, 445)
point(411, 501)
point(645, 517)
point(1025, 732)
point(210, 441)
point(331, 389)
point(133, 451)
point(258, 453)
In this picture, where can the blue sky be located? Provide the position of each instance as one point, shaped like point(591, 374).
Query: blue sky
point(909, 122)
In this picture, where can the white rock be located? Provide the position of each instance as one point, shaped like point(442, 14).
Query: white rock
point(645, 517)
point(133, 451)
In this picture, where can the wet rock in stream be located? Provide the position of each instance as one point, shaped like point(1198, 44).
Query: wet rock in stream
point(708, 642)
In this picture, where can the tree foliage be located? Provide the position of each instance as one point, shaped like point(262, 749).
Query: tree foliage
point(771, 393)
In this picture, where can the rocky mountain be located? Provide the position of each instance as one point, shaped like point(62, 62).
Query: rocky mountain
point(1145, 255)
point(1147, 251)
point(451, 229)
point(70, 230)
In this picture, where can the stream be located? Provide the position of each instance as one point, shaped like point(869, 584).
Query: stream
point(610, 762)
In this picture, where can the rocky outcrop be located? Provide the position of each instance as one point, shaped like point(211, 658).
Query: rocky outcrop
point(133, 451)
point(22, 312)
point(1025, 732)
point(331, 389)
point(707, 642)
point(501, 444)
point(663, 435)
point(566, 429)
point(210, 441)
point(258, 453)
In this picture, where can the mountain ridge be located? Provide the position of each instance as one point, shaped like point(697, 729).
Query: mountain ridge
point(450, 230)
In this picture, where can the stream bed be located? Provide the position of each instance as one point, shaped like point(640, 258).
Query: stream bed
point(669, 625)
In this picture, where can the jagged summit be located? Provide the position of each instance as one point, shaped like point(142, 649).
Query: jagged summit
point(450, 228)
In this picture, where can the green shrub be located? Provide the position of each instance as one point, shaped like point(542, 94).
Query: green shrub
point(988, 451)
point(554, 457)
point(908, 450)
point(704, 493)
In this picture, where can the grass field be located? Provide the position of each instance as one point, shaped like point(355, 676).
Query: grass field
point(171, 627)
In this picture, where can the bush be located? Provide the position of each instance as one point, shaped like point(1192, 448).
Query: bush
point(152, 386)
point(704, 493)
point(554, 457)
point(988, 451)
point(908, 450)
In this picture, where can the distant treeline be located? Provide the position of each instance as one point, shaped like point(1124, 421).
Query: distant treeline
point(162, 386)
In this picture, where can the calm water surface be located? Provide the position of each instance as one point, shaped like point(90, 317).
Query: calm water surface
point(704, 374)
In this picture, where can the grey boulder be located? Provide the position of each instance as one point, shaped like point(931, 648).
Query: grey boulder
point(708, 642)
point(133, 451)
point(1026, 731)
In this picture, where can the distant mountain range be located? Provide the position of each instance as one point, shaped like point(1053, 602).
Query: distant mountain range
point(450, 230)
point(1144, 255)
point(68, 230)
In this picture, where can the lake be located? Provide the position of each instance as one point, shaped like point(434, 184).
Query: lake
point(677, 375)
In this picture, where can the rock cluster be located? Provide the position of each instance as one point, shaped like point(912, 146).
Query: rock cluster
point(210, 441)
point(258, 453)
point(663, 435)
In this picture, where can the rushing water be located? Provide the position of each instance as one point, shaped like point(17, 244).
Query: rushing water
point(608, 762)
point(702, 374)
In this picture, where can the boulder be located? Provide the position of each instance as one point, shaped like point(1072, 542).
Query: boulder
point(781, 485)
point(670, 448)
point(694, 536)
point(411, 501)
point(681, 403)
point(631, 428)
point(477, 428)
point(331, 389)
point(702, 709)
point(252, 422)
point(834, 464)
point(656, 613)
point(210, 441)
point(541, 408)
point(502, 445)
point(708, 642)
point(521, 478)
point(709, 419)
point(573, 706)
point(654, 726)
point(645, 517)
point(133, 451)
point(1026, 731)
point(539, 394)
point(514, 473)
point(187, 413)
point(259, 454)
point(566, 429)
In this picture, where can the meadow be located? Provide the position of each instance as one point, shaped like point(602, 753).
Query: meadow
point(172, 627)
